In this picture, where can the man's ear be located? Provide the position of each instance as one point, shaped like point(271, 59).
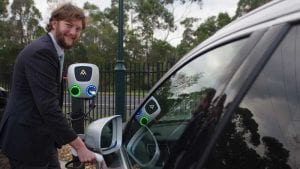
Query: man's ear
point(54, 24)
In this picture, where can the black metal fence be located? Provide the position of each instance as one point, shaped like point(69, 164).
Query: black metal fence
point(139, 80)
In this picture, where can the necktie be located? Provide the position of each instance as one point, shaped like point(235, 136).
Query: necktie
point(61, 63)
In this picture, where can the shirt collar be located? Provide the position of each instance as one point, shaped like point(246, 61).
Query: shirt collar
point(59, 50)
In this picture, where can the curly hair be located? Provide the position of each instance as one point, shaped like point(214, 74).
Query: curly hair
point(66, 12)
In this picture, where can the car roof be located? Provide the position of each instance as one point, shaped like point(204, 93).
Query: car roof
point(272, 13)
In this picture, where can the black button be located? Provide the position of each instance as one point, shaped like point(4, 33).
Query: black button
point(75, 91)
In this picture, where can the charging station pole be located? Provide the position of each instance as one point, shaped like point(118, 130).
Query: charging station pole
point(77, 125)
point(83, 81)
point(77, 112)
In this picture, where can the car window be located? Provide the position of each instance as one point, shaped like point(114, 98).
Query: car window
point(156, 127)
point(265, 129)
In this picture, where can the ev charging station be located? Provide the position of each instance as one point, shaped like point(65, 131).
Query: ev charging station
point(83, 82)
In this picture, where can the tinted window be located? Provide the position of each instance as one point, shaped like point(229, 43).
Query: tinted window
point(159, 124)
point(265, 129)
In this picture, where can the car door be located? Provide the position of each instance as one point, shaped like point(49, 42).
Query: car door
point(264, 130)
point(180, 108)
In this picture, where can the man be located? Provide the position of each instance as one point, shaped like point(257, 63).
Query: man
point(33, 125)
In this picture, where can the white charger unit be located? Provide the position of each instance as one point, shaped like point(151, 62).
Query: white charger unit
point(83, 80)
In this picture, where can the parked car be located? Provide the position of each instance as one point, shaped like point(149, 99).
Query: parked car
point(232, 102)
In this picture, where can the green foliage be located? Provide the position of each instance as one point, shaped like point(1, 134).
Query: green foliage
point(153, 15)
point(245, 6)
point(25, 19)
point(205, 30)
point(161, 51)
point(100, 36)
point(99, 40)
point(187, 41)
point(241, 146)
point(17, 30)
point(134, 49)
point(212, 24)
point(3, 8)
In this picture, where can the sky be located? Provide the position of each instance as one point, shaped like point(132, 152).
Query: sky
point(209, 8)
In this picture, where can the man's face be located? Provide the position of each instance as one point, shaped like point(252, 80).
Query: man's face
point(66, 32)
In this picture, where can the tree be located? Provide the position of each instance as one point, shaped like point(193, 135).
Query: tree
point(99, 37)
point(212, 24)
point(3, 22)
point(162, 51)
point(25, 18)
point(147, 16)
point(18, 30)
point(3, 9)
point(241, 145)
point(187, 37)
point(275, 154)
point(245, 6)
point(4, 29)
point(134, 49)
point(206, 29)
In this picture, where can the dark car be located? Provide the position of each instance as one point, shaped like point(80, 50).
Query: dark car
point(3, 96)
point(233, 102)
point(3, 100)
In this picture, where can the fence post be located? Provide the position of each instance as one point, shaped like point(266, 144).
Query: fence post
point(157, 72)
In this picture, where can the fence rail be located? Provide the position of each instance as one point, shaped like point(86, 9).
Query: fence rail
point(139, 80)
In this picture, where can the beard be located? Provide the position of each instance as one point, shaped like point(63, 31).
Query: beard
point(61, 41)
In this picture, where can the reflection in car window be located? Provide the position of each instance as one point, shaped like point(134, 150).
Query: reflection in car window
point(188, 93)
point(265, 129)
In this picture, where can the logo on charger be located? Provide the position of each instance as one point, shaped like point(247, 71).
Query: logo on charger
point(83, 72)
point(148, 112)
point(151, 107)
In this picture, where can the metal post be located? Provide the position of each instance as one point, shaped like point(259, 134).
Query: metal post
point(120, 69)
point(77, 112)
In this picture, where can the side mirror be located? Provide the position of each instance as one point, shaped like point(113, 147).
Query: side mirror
point(143, 148)
point(104, 136)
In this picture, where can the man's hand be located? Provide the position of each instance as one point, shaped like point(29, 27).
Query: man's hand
point(84, 154)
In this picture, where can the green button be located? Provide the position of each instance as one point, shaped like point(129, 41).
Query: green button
point(144, 120)
point(75, 91)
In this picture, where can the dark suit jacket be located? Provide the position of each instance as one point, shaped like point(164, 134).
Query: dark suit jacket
point(33, 122)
